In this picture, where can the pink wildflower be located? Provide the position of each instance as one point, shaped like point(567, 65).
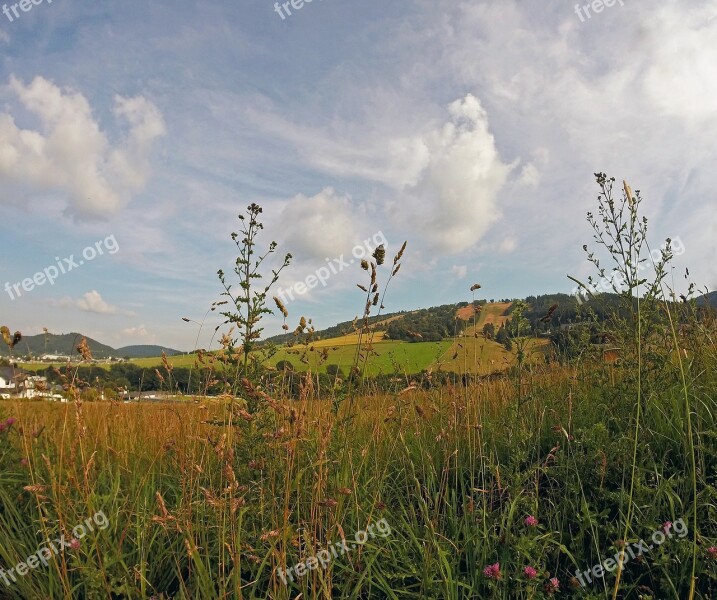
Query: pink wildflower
point(492, 571)
point(75, 544)
point(530, 573)
point(552, 586)
point(712, 552)
point(531, 521)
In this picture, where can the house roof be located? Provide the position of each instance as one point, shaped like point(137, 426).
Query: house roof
point(9, 373)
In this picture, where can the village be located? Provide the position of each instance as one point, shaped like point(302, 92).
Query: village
point(17, 383)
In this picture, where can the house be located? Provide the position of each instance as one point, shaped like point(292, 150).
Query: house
point(9, 380)
point(54, 358)
point(16, 383)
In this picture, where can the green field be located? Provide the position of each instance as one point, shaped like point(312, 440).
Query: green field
point(468, 354)
point(390, 357)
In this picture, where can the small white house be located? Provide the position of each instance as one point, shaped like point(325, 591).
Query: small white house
point(8, 381)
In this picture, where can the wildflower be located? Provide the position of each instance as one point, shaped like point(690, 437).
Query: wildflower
point(492, 571)
point(531, 521)
point(530, 573)
point(712, 552)
point(75, 544)
point(666, 526)
point(552, 586)
point(24, 462)
point(10, 421)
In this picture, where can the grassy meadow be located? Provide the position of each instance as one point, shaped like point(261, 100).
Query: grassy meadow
point(565, 476)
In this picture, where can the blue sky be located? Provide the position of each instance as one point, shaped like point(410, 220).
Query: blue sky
point(470, 129)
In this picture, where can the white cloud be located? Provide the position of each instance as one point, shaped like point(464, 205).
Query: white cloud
point(460, 271)
point(455, 202)
point(529, 176)
point(136, 332)
point(93, 302)
point(71, 155)
point(318, 227)
point(680, 80)
point(90, 302)
point(507, 245)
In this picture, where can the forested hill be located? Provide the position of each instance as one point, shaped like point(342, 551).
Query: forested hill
point(335, 331)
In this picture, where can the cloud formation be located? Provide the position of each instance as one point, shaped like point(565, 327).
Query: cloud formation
point(91, 302)
point(454, 203)
point(318, 227)
point(70, 155)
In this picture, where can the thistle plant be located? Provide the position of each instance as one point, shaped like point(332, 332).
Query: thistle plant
point(644, 327)
point(247, 300)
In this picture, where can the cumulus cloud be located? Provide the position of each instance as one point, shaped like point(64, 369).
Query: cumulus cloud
point(90, 302)
point(455, 203)
point(69, 154)
point(93, 302)
point(318, 227)
point(136, 332)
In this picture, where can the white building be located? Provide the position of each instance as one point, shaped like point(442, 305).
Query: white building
point(8, 381)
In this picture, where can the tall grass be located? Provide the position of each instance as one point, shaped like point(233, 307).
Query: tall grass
point(497, 488)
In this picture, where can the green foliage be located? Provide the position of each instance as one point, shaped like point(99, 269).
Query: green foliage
point(427, 325)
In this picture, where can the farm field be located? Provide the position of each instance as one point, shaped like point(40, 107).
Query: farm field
point(390, 356)
point(475, 355)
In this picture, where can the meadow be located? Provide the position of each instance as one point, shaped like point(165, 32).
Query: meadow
point(525, 485)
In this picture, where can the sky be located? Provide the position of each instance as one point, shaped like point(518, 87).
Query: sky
point(133, 134)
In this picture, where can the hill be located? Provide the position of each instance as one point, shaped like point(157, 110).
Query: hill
point(708, 299)
point(145, 351)
point(65, 344)
point(335, 331)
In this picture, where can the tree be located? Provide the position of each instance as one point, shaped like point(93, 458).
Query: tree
point(489, 331)
point(285, 365)
point(334, 371)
